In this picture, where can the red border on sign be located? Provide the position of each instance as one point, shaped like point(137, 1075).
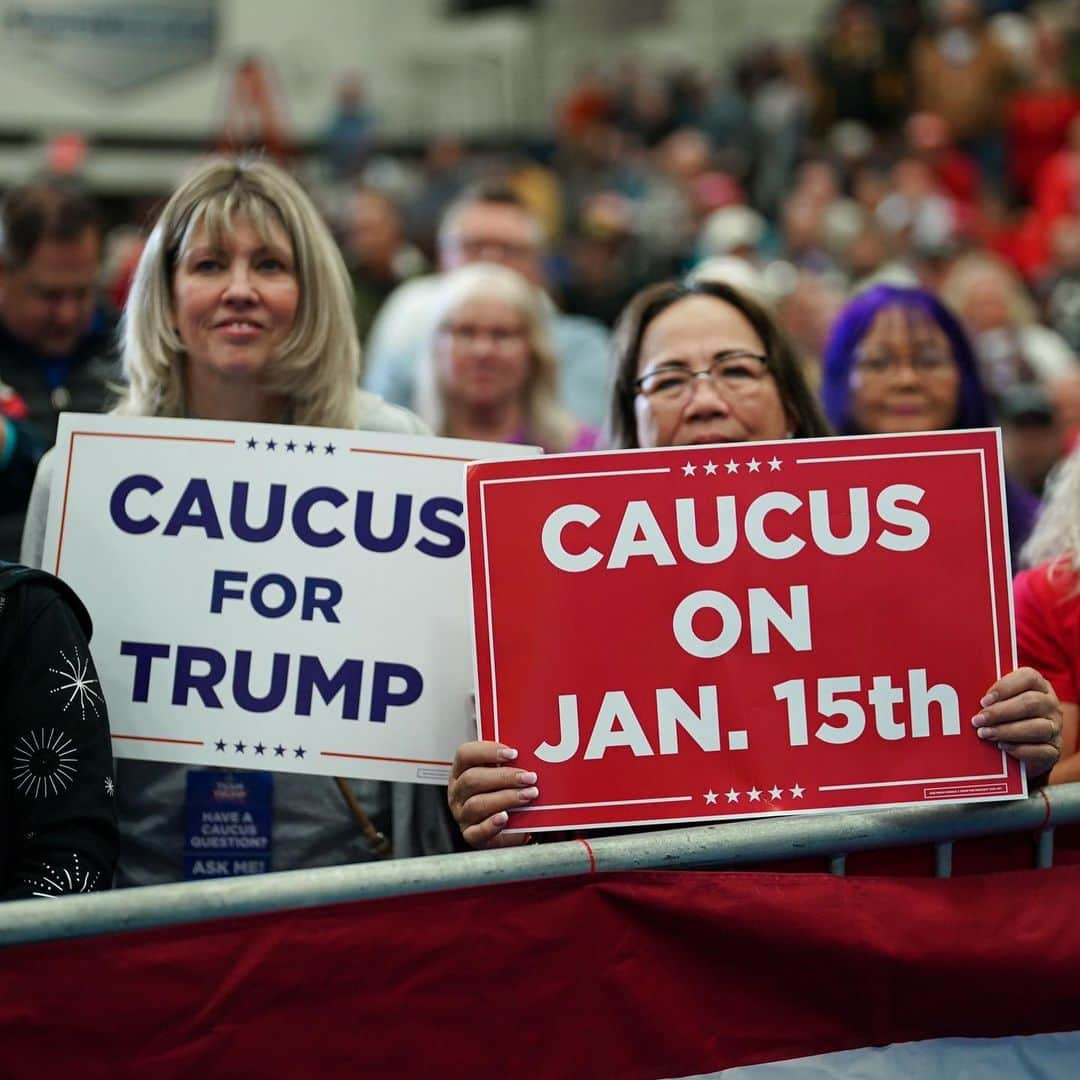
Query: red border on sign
point(114, 435)
point(980, 786)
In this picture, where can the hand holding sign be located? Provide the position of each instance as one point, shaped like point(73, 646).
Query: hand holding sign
point(1022, 714)
point(484, 788)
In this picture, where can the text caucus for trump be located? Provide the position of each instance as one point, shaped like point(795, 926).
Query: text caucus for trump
point(285, 597)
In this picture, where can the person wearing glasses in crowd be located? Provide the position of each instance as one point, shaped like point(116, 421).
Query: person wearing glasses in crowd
point(489, 371)
point(704, 363)
point(898, 360)
point(240, 309)
point(489, 223)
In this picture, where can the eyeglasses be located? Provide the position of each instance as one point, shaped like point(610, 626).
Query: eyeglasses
point(734, 373)
point(928, 365)
point(465, 336)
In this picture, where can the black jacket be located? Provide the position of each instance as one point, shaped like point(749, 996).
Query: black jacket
point(57, 815)
point(46, 387)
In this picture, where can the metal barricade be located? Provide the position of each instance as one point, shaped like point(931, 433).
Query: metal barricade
point(727, 844)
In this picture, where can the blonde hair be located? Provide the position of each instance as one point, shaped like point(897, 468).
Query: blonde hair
point(1056, 536)
point(547, 422)
point(969, 270)
point(317, 367)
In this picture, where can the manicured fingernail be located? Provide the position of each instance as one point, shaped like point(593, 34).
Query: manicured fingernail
point(988, 700)
point(501, 818)
point(506, 753)
point(526, 778)
point(978, 720)
point(529, 793)
point(985, 733)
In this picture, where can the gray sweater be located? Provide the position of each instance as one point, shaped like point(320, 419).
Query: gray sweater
point(312, 825)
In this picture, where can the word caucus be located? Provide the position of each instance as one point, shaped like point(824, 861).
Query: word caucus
point(320, 516)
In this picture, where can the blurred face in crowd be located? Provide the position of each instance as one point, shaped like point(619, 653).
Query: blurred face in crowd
point(48, 302)
point(374, 231)
point(1032, 449)
point(234, 302)
point(738, 402)
point(987, 305)
point(482, 355)
point(495, 233)
point(904, 377)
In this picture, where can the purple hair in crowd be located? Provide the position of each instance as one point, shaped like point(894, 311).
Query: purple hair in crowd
point(973, 409)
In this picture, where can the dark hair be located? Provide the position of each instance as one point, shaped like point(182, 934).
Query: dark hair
point(46, 210)
point(853, 323)
point(796, 397)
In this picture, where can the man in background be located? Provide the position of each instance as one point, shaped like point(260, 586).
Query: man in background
point(488, 224)
point(55, 339)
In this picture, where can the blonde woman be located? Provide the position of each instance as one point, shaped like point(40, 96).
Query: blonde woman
point(240, 309)
point(1048, 606)
point(489, 370)
point(998, 312)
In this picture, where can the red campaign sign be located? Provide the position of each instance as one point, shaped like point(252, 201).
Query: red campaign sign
point(711, 632)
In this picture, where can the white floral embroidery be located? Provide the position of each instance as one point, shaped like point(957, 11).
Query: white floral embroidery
point(56, 881)
point(73, 677)
point(45, 763)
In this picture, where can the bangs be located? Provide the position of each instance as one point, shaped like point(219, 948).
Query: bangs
point(218, 212)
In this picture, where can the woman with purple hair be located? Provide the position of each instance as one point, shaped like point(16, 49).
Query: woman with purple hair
point(898, 360)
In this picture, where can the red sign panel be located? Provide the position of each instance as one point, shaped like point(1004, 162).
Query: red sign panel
point(711, 632)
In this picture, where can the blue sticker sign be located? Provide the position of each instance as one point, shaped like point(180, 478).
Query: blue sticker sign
point(228, 823)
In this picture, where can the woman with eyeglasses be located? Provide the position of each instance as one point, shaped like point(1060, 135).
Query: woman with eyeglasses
point(490, 371)
point(698, 364)
point(898, 360)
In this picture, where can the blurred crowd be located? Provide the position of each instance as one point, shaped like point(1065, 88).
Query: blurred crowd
point(933, 143)
point(925, 143)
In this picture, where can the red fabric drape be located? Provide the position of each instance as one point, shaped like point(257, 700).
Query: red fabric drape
point(632, 975)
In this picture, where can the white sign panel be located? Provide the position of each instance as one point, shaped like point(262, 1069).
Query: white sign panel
point(270, 596)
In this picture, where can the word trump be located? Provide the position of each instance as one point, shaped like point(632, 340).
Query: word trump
point(768, 527)
point(204, 673)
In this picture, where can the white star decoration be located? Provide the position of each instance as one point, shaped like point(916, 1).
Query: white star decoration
point(710, 797)
point(710, 468)
point(755, 794)
point(732, 466)
point(688, 469)
point(73, 677)
point(110, 786)
point(774, 464)
point(753, 464)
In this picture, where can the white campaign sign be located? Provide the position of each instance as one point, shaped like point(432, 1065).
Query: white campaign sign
point(269, 596)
